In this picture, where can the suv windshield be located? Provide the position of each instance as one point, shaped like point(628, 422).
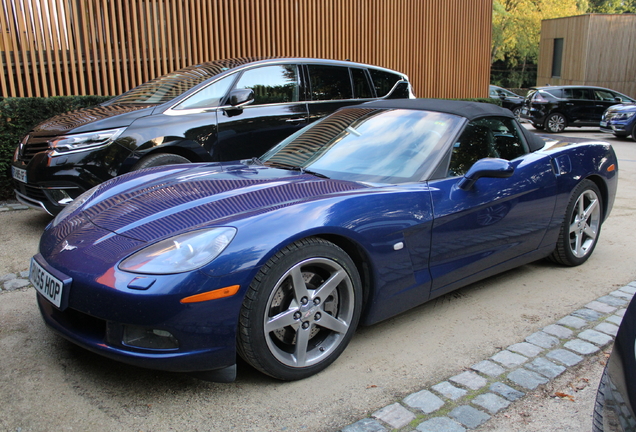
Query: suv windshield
point(372, 145)
point(167, 87)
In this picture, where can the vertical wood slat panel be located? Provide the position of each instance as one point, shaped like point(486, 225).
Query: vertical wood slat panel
point(21, 17)
point(6, 79)
point(109, 46)
point(76, 66)
point(14, 44)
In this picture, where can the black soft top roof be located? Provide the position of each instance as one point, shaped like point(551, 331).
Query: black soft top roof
point(469, 110)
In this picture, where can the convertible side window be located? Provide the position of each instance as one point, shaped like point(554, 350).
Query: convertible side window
point(488, 137)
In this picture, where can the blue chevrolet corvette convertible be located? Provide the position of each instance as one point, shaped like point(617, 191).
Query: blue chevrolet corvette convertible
point(374, 210)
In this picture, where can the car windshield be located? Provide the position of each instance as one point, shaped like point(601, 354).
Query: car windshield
point(371, 145)
point(167, 87)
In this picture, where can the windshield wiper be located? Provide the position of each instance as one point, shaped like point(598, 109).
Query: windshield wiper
point(291, 167)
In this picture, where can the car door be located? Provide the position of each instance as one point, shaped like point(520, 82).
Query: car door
point(580, 105)
point(497, 219)
point(279, 109)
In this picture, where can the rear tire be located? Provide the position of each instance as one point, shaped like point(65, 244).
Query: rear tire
point(634, 132)
point(581, 226)
point(159, 159)
point(555, 123)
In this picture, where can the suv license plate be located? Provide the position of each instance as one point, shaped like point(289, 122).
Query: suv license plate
point(603, 124)
point(19, 174)
point(46, 284)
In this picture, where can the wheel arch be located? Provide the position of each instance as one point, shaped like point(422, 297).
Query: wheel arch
point(191, 151)
point(359, 257)
point(602, 187)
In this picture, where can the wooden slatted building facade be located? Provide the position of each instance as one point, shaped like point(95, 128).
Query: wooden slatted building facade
point(105, 47)
point(593, 49)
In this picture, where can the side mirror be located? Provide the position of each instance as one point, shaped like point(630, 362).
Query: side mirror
point(241, 97)
point(489, 167)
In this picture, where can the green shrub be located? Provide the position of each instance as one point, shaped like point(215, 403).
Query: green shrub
point(19, 115)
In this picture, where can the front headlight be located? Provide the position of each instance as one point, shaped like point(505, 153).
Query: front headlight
point(181, 253)
point(623, 115)
point(84, 141)
point(74, 205)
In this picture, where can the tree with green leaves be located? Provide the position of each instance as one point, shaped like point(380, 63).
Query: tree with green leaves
point(612, 6)
point(516, 32)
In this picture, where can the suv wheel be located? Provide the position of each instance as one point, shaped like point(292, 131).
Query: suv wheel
point(159, 159)
point(555, 123)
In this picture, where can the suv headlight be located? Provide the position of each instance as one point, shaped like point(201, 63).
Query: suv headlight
point(623, 115)
point(84, 141)
point(180, 253)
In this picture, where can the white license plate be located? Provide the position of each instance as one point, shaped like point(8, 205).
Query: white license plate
point(19, 174)
point(48, 285)
point(603, 124)
point(524, 110)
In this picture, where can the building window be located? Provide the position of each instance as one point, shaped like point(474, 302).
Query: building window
point(557, 57)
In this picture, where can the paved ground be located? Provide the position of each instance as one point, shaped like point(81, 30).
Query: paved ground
point(48, 384)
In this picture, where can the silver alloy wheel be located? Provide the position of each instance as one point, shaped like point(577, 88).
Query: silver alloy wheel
point(309, 312)
point(556, 123)
point(585, 223)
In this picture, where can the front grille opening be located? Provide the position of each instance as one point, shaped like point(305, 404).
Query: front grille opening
point(81, 323)
point(33, 146)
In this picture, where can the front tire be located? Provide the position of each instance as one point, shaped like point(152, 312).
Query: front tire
point(555, 123)
point(581, 226)
point(300, 311)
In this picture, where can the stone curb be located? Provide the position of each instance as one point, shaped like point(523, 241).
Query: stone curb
point(14, 281)
point(6, 206)
point(469, 399)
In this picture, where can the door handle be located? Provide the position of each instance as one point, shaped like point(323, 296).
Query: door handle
point(295, 120)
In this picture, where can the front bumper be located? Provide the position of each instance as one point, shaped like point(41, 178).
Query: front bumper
point(100, 309)
point(54, 180)
point(616, 128)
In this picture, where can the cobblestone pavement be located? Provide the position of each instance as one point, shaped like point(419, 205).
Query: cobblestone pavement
point(469, 399)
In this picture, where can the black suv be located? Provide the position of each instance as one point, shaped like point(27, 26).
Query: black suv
point(554, 108)
point(508, 99)
point(217, 111)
